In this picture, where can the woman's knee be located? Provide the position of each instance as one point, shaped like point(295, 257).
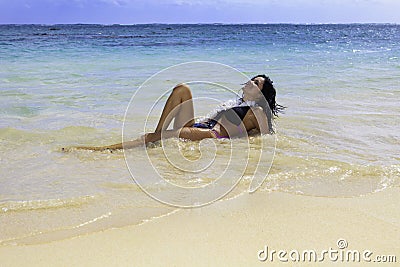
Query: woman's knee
point(182, 89)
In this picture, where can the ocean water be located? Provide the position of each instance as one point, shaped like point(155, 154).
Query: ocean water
point(67, 85)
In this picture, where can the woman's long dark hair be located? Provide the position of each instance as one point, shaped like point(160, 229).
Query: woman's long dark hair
point(269, 93)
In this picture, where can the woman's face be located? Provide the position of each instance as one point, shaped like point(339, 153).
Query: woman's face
point(252, 89)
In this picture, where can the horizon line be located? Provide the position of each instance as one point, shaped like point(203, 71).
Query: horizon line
point(209, 23)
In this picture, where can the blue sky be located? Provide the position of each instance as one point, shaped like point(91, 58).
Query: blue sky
point(197, 11)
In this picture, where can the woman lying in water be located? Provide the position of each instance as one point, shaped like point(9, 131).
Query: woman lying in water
point(252, 112)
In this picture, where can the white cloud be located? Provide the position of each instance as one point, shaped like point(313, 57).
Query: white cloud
point(116, 2)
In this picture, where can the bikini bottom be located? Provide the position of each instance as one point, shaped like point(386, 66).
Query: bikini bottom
point(207, 125)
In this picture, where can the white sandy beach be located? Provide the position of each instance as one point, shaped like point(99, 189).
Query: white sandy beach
point(231, 233)
point(70, 85)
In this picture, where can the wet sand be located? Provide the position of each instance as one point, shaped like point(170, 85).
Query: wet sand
point(232, 233)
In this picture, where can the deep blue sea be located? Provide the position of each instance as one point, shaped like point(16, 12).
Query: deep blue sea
point(67, 85)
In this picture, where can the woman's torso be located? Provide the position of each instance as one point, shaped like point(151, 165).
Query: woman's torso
point(233, 121)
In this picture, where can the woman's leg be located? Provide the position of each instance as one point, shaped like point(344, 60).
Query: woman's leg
point(190, 133)
point(179, 107)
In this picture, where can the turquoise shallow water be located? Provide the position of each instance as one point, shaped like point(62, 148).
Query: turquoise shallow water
point(65, 85)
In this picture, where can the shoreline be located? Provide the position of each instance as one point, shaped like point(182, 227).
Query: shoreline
point(232, 233)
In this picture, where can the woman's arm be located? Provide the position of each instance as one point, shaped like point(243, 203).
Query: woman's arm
point(260, 120)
